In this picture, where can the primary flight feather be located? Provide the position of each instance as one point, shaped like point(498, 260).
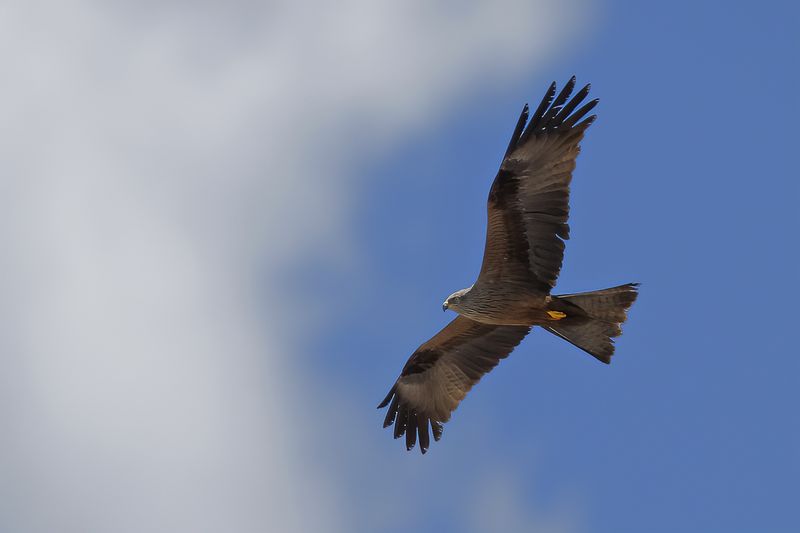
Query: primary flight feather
point(528, 208)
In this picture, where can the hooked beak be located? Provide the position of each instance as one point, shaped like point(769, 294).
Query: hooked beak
point(444, 306)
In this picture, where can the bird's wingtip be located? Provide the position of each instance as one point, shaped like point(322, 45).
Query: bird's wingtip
point(388, 398)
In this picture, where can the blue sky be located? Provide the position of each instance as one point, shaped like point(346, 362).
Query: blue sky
point(224, 231)
point(686, 183)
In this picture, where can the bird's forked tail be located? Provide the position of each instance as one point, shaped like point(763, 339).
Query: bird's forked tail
point(591, 320)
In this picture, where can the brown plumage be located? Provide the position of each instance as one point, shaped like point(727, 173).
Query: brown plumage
point(528, 208)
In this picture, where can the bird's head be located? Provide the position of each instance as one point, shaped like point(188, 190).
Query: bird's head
point(454, 300)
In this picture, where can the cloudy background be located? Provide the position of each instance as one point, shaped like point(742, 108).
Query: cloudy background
point(223, 228)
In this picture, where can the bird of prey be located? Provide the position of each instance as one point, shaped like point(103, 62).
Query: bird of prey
point(528, 207)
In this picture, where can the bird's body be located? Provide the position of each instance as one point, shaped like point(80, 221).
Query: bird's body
point(528, 207)
point(502, 304)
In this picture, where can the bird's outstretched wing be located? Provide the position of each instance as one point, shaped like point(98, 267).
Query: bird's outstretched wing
point(529, 200)
point(441, 372)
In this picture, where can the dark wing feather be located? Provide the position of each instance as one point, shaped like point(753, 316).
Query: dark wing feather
point(441, 372)
point(528, 203)
point(523, 118)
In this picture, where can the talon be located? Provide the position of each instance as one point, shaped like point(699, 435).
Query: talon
point(556, 315)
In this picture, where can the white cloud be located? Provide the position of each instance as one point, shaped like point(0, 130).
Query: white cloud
point(160, 164)
point(498, 506)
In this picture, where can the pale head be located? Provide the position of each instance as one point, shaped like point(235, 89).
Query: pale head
point(454, 300)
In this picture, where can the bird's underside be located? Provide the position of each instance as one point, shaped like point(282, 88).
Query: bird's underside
point(518, 309)
point(528, 208)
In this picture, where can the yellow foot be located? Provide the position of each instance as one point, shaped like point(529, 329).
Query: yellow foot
point(556, 315)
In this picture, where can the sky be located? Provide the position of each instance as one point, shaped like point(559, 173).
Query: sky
point(224, 228)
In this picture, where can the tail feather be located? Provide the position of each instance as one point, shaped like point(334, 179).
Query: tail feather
point(597, 319)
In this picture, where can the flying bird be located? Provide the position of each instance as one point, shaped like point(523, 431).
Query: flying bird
point(528, 207)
